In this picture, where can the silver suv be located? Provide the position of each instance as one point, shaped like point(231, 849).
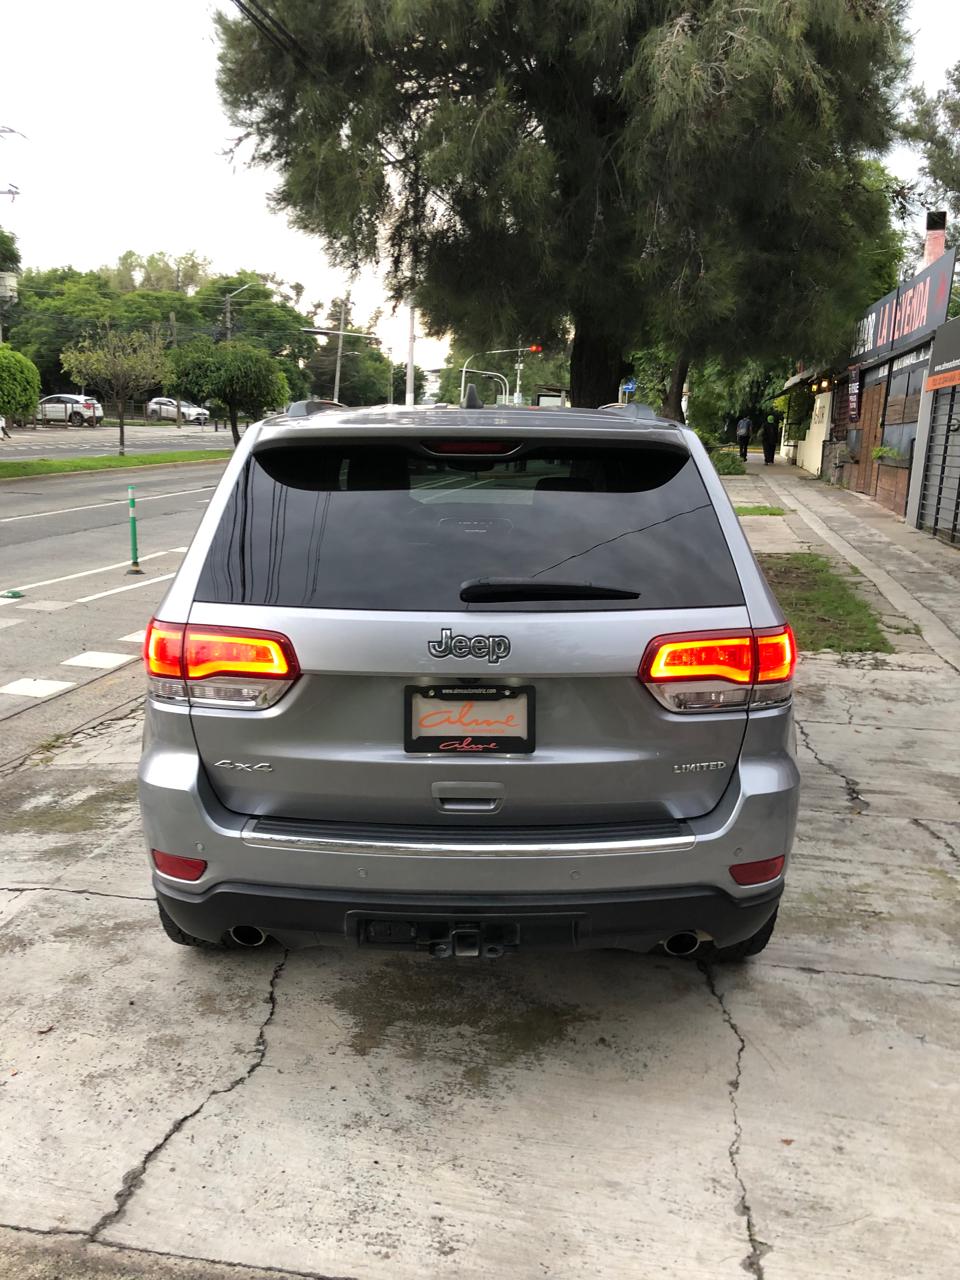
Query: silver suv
point(469, 682)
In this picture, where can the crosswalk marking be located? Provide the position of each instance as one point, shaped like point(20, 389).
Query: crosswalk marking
point(97, 658)
point(27, 688)
point(135, 637)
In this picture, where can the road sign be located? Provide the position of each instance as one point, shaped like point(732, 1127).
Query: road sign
point(630, 384)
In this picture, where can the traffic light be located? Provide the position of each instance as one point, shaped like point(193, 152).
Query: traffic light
point(535, 347)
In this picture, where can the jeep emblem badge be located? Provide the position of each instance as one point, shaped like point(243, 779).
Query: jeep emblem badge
point(493, 648)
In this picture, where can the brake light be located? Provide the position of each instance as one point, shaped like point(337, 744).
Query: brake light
point(220, 652)
point(717, 671)
point(218, 666)
point(471, 448)
point(171, 864)
point(757, 872)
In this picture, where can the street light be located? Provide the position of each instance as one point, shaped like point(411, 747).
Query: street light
point(8, 294)
point(228, 318)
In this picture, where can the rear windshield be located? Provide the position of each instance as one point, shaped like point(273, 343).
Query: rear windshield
point(383, 526)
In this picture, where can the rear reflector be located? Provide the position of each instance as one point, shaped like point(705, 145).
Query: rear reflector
point(757, 872)
point(180, 868)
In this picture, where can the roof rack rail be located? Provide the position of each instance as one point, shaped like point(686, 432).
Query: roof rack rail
point(634, 410)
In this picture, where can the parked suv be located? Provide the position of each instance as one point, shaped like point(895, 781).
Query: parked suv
point(466, 682)
point(78, 411)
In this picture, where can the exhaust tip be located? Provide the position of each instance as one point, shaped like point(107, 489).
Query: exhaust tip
point(247, 935)
point(681, 944)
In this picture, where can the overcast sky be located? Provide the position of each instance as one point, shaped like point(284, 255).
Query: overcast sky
point(125, 141)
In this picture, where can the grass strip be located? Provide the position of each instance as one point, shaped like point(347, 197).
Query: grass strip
point(61, 466)
point(821, 605)
point(760, 511)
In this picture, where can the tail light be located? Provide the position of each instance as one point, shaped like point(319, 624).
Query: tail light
point(721, 671)
point(88, 404)
point(218, 666)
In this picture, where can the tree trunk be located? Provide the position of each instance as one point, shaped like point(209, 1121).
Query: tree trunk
point(123, 442)
point(672, 406)
point(234, 427)
point(596, 366)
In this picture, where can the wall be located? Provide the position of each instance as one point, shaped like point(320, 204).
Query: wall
point(810, 448)
point(891, 487)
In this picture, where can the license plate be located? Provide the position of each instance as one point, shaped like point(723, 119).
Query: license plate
point(465, 720)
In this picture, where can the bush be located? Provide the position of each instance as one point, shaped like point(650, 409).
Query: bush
point(728, 463)
point(19, 384)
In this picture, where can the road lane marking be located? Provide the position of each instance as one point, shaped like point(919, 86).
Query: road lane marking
point(116, 590)
point(135, 637)
point(105, 568)
point(28, 688)
point(99, 659)
point(114, 502)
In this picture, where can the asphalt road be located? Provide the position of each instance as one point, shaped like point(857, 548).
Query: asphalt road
point(69, 644)
point(82, 442)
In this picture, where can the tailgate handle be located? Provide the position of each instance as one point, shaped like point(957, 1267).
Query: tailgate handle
point(468, 797)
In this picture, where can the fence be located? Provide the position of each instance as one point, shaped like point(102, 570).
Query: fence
point(136, 413)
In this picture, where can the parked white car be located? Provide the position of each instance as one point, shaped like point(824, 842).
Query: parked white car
point(166, 407)
point(77, 411)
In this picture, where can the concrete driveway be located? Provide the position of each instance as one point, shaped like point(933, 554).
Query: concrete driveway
point(340, 1114)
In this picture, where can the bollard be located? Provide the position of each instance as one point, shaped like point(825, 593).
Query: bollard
point(134, 555)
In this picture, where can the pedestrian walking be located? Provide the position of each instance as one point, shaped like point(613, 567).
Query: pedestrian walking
point(769, 433)
point(4, 433)
point(744, 430)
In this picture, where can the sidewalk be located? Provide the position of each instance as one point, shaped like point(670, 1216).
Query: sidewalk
point(917, 574)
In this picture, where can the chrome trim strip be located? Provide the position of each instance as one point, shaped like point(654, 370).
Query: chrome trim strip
point(453, 848)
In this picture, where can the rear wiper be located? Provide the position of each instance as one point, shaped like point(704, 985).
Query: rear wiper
point(493, 590)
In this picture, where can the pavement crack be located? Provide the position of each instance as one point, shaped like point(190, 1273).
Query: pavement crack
point(852, 788)
point(83, 893)
point(753, 1262)
point(133, 1178)
point(954, 853)
point(858, 973)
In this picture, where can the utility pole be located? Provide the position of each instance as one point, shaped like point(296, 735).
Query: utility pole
point(410, 397)
point(173, 343)
point(344, 304)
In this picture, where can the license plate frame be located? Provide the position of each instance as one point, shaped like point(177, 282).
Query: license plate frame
point(469, 741)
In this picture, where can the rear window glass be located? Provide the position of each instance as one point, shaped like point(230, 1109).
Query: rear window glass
point(371, 526)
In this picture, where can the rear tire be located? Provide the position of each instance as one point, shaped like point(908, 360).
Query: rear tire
point(177, 935)
point(76, 420)
point(751, 946)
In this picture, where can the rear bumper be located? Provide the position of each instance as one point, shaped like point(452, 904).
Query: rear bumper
point(307, 917)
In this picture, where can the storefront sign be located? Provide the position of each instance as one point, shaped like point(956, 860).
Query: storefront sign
point(945, 360)
point(907, 315)
point(854, 392)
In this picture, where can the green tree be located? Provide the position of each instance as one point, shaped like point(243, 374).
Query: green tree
point(120, 365)
point(682, 172)
point(158, 272)
point(934, 127)
point(238, 375)
point(9, 253)
point(365, 372)
point(543, 369)
point(400, 383)
point(19, 384)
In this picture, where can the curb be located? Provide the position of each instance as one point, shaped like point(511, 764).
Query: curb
point(91, 471)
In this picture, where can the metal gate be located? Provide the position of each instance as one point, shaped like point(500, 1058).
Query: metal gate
point(940, 497)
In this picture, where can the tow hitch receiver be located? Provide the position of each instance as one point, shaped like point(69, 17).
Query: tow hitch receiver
point(488, 939)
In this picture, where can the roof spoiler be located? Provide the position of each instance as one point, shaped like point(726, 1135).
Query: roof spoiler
point(471, 398)
point(635, 411)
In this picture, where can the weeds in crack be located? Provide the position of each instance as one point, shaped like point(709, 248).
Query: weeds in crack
point(133, 1178)
point(856, 801)
point(753, 1262)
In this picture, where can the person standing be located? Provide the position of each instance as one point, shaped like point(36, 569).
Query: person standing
point(744, 429)
point(769, 433)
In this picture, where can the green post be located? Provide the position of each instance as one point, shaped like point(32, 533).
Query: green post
point(134, 555)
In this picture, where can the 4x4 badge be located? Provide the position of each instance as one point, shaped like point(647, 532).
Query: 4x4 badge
point(493, 648)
